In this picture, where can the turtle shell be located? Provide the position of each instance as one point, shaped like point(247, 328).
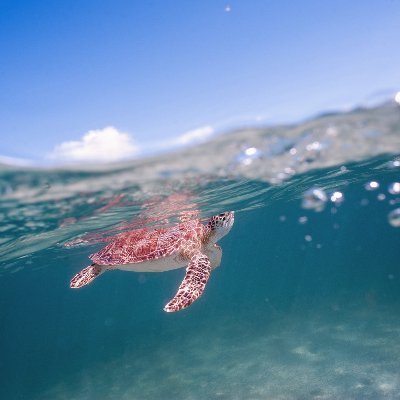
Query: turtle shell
point(142, 245)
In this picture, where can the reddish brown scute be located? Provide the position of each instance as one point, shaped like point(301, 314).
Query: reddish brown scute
point(141, 245)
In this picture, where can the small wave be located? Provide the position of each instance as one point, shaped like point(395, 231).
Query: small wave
point(244, 170)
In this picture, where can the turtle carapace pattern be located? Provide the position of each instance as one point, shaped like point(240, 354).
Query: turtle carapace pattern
point(189, 243)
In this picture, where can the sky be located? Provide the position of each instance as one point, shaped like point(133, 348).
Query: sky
point(103, 80)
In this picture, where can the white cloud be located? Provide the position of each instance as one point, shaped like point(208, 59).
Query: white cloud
point(188, 138)
point(194, 136)
point(100, 145)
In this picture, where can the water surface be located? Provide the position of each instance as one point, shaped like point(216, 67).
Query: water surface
point(305, 304)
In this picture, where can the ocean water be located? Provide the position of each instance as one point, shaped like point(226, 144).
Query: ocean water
point(305, 304)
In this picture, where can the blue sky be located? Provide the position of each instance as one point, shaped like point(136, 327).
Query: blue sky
point(161, 73)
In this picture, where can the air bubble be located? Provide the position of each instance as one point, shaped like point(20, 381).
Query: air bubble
point(331, 131)
point(315, 199)
point(249, 155)
point(303, 220)
point(394, 164)
point(394, 218)
point(337, 197)
point(373, 185)
point(308, 238)
point(394, 188)
point(289, 171)
point(281, 176)
point(314, 146)
point(251, 151)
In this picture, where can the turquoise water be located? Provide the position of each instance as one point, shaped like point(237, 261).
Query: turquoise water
point(305, 304)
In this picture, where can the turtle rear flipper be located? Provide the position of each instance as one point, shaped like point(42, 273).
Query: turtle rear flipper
point(193, 284)
point(86, 276)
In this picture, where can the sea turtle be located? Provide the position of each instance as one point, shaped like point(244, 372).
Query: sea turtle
point(188, 243)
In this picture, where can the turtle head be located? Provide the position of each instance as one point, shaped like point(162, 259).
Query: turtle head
point(219, 225)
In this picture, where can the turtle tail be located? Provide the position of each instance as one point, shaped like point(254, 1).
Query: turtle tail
point(86, 276)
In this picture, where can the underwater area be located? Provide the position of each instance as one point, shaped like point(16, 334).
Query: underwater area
point(305, 303)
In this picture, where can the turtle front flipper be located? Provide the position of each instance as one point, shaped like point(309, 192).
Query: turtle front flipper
point(193, 284)
point(86, 276)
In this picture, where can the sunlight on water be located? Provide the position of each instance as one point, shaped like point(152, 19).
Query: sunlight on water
point(305, 303)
